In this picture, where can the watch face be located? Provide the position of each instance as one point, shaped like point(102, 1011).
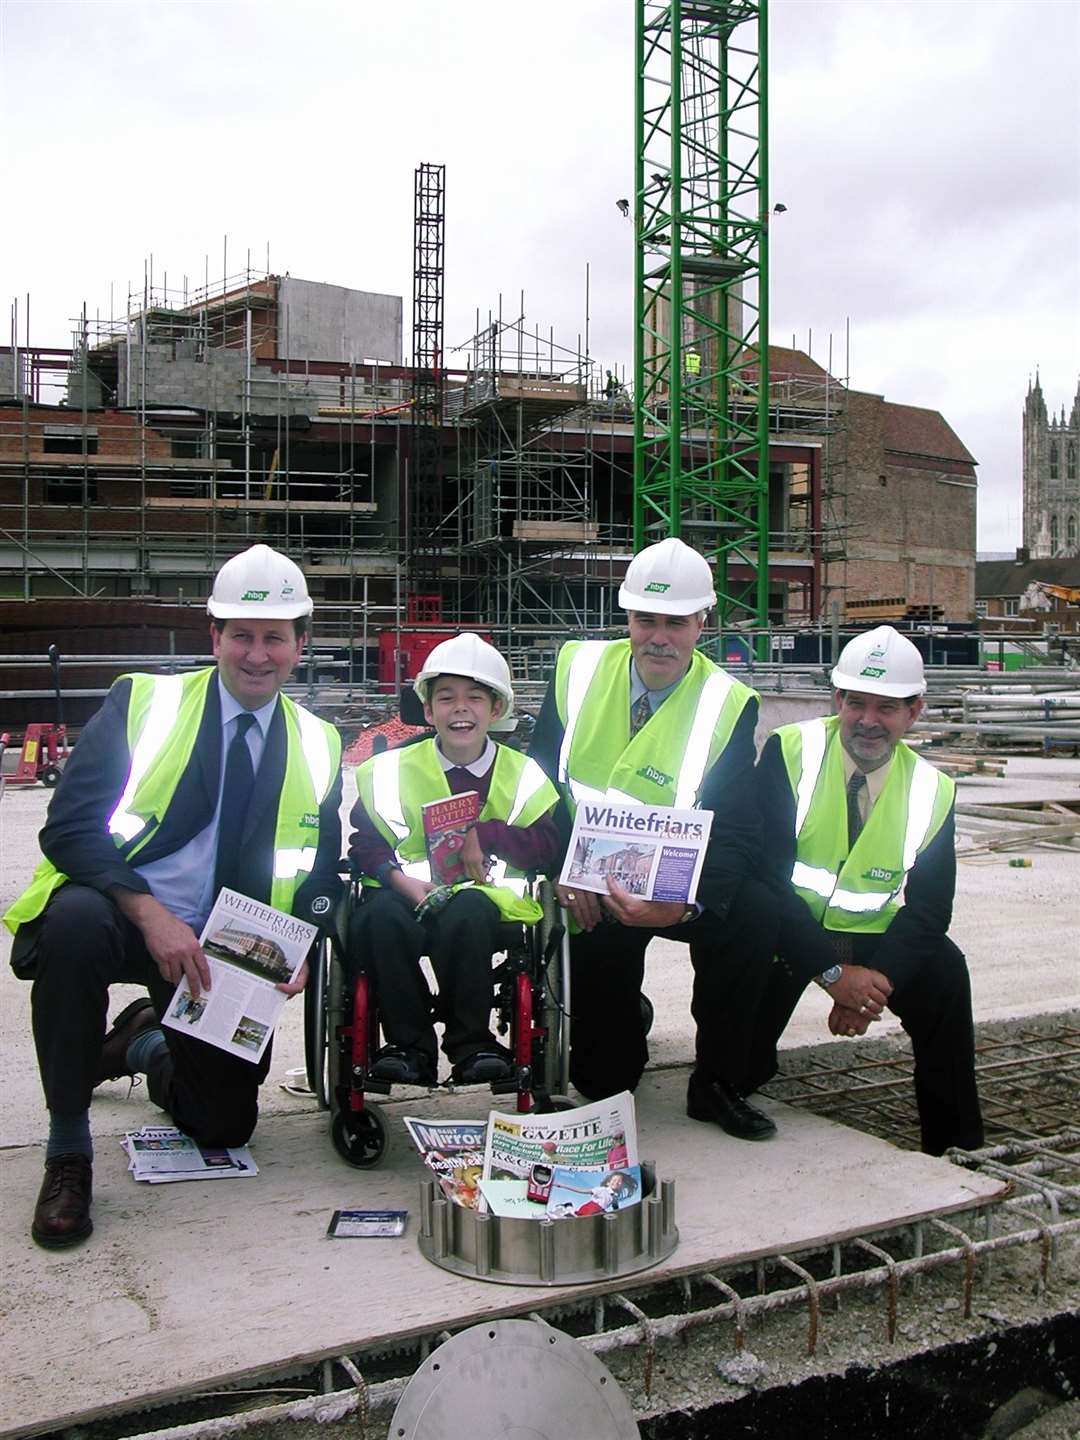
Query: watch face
point(832, 974)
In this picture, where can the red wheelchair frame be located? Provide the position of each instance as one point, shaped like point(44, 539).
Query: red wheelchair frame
point(341, 1034)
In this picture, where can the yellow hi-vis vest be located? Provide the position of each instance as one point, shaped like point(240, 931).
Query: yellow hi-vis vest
point(163, 719)
point(666, 762)
point(860, 891)
point(395, 785)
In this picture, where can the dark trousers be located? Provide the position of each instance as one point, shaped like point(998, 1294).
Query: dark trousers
point(934, 1007)
point(731, 959)
point(460, 940)
point(84, 945)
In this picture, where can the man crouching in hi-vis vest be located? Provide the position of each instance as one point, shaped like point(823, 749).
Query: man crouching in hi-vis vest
point(465, 689)
point(859, 837)
point(179, 784)
point(652, 719)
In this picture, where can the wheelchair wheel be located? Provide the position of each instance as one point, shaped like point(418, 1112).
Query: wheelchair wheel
point(361, 1137)
point(315, 1024)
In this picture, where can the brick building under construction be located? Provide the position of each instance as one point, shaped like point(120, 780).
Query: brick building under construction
point(417, 498)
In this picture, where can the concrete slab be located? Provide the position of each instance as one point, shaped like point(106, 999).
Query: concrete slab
point(186, 1286)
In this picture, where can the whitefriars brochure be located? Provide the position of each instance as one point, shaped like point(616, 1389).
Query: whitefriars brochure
point(653, 851)
point(250, 948)
point(162, 1155)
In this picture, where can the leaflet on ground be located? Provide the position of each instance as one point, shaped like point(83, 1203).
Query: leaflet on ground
point(163, 1155)
point(598, 1138)
point(250, 948)
point(653, 851)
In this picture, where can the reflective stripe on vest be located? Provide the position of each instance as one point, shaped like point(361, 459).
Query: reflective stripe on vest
point(582, 669)
point(165, 700)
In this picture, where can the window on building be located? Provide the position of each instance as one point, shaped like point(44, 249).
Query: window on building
point(1053, 460)
point(1070, 532)
point(1070, 463)
point(1053, 534)
point(982, 609)
point(1010, 607)
point(68, 489)
point(68, 440)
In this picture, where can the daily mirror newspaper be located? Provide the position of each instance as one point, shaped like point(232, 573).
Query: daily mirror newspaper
point(453, 1150)
point(653, 851)
point(250, 948)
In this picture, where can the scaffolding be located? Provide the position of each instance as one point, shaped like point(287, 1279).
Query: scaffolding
point(701, 282)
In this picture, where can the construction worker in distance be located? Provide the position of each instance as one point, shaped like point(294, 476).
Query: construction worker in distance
point(693, 364)
point(180, 784)
point(859, 842)
point(466, 692)
point(651, 718)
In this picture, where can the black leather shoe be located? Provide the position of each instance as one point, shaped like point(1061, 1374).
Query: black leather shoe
point(403, 1067)
point(62, 1212)
point(716, 1100)
point(140, 1015)
point(481, 1069)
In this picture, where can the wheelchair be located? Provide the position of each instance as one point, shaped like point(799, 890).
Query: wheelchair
point(530, 994)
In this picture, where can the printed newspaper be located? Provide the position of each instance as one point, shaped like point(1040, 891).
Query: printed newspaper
point(653, 851)
point(597, 1138)
point(250, 948)
point(454, 1151)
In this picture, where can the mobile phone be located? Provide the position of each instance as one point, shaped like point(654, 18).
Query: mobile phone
point(539, 1185)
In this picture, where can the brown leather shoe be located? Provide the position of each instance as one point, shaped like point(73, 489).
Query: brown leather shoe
point(62, 1212)
point(140, 1015)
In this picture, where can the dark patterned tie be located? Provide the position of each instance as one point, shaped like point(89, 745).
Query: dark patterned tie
point(640, 712)
point(854, 815)
point(235, 798)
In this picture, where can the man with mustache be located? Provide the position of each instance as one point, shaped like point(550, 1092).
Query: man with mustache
point(860, 845)
point(649, 718)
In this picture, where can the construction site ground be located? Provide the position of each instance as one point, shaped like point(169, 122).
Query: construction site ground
point(190, 1289)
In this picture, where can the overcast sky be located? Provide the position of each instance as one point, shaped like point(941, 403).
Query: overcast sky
point(928, 153)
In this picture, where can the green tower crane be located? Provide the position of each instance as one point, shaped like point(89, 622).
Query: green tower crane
point(701, 217)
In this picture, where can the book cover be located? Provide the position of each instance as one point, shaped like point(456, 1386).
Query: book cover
point(446, 823)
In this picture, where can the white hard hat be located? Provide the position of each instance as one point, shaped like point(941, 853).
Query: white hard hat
point(473, 657)
point(668, 579)
point(881, 662)
point(259, 584)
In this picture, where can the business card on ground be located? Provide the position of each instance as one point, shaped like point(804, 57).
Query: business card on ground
point(366, 1224)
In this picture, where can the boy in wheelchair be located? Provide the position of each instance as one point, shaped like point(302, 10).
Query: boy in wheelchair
point(466, 692)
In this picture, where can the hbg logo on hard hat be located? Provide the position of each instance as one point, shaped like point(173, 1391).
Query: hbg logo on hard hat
point(254, 595)
point(659, 586)
point(875, 672)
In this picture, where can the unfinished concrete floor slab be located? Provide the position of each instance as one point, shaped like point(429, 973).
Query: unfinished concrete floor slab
point(185, 1286)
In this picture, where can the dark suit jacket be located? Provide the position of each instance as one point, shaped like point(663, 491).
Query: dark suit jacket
point(77, 841)
point(915, 935)
point(734, 851)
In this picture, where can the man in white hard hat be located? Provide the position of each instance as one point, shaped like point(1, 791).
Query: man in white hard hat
point(179, 785)
point(652, 718)
point(859, 839)
point(502, 817)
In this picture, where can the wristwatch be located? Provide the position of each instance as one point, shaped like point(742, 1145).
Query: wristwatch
point(830, 976)
point(690, 913)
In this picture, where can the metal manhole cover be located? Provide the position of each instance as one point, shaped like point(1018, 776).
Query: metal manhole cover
point(513, 1380)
